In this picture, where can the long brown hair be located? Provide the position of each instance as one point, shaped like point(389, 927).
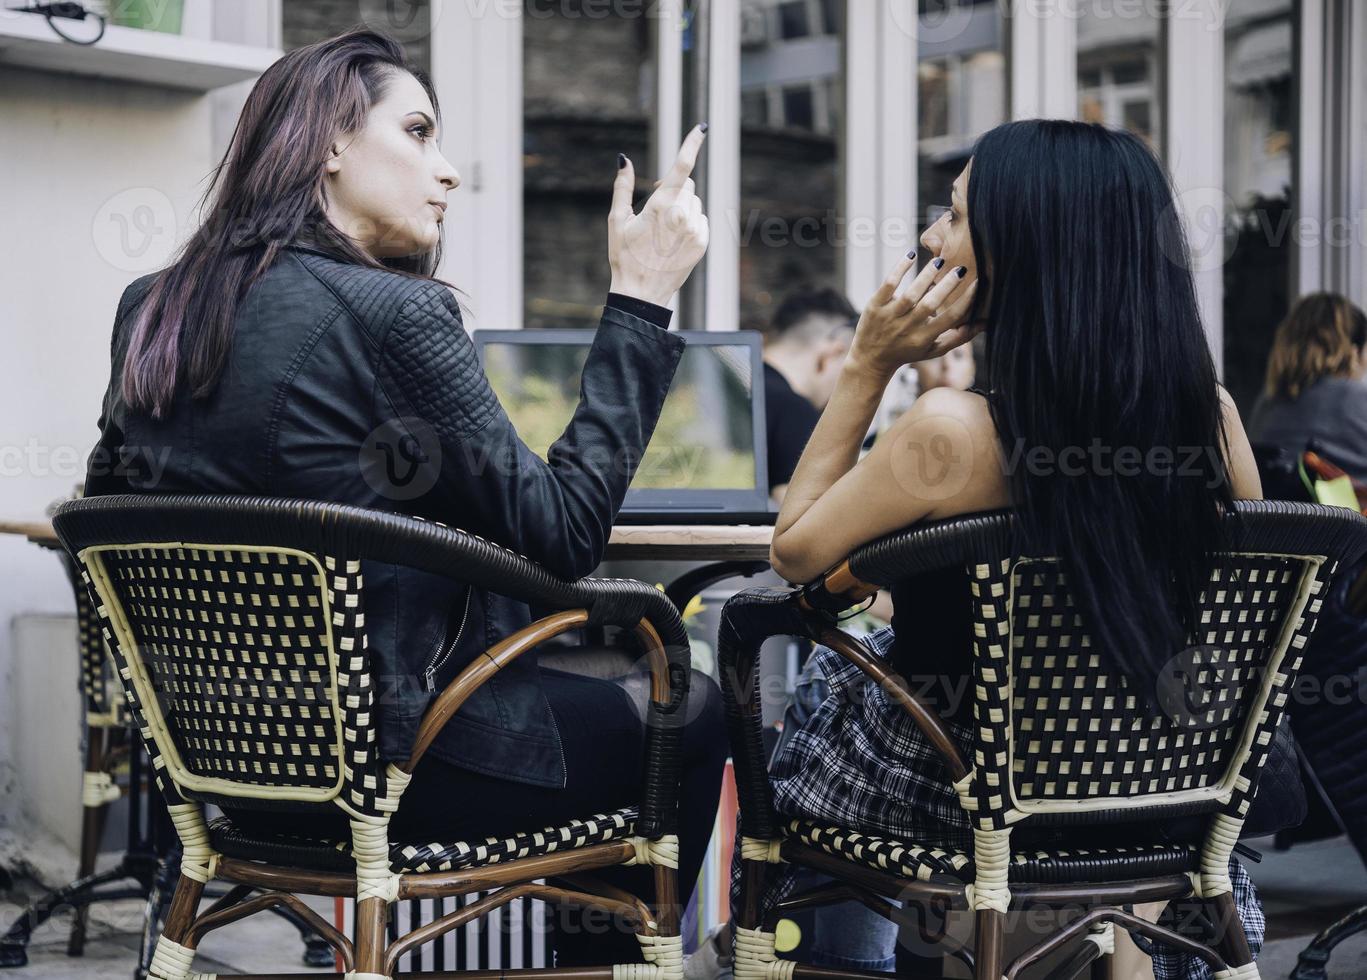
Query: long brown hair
point(1318, 339)
point(267, 192)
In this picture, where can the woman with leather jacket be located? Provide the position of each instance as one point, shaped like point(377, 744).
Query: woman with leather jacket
point(301, 346)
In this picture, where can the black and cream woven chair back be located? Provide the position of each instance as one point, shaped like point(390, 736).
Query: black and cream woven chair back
point(1079, 739)
point(239, 637)
point(100, 688)
point(1060, 737)
point(237, 628)
point(237, 658)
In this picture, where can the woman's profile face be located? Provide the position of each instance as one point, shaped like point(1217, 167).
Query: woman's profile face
point(948, 238)
point(387, 184)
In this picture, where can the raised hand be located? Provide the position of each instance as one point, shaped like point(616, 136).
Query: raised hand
point(924, 320)
point(652, 253)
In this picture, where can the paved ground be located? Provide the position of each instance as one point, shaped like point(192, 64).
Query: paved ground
point(1302, 889)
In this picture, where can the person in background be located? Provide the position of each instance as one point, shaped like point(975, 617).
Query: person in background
point(1315, 390)
point(958, 370)
point(804, 348)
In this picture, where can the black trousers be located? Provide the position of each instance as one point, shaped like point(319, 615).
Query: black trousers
point(602, 732)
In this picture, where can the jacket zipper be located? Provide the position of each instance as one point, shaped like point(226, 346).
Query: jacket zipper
point(444, 650)
point(559, 746)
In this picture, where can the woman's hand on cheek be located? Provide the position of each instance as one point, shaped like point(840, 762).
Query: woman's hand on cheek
point(923, 320)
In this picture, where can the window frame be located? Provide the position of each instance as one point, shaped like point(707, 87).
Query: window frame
point(477, 69)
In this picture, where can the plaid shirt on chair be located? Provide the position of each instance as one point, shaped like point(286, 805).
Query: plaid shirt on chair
point(859, 762)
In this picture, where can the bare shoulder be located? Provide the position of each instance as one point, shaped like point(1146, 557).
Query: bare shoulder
point(1242, 465)
point(948, 444)
point(952, 405)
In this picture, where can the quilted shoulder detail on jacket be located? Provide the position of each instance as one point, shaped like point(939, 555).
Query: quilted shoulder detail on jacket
point(373, 296)
point(436, 366)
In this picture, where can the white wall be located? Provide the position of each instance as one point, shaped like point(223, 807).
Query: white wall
point(80, 159)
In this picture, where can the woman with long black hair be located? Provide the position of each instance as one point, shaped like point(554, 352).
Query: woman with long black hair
point(301, 346)
point(1063, 245)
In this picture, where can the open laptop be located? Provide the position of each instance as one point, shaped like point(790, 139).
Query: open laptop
point(706, 463)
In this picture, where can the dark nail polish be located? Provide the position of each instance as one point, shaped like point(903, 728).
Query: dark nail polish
point(911, 254)
point(703, 127)
point(621, 160)
point(939, 263)
point(962, 271)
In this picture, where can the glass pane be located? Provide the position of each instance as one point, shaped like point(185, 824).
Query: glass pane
point(792, 17)
point(407, 21)
point(587, 95)
point(1260, 141)
point(792, 98)
point(961, 93)
point(1119, 48)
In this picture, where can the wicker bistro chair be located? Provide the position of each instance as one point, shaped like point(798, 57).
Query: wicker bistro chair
point(1058, 740)
point(105, 748)
point(108, 750)
point(238, 628)
point(106, 728)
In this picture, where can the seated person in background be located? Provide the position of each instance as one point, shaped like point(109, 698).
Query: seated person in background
point(957, 369)
point(1315, 383)
point(804, 346)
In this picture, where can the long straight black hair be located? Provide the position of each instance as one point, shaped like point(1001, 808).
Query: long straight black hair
point(1095, 342)
point(267, 192)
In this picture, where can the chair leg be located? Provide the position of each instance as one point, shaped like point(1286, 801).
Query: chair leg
point(989, 937)
point(1313, 961)
point(92, 829)
point(154, 913)
point(664, 950)
point(1231, 943)
point(172, 960)
point(372, 916)
point(92, 825)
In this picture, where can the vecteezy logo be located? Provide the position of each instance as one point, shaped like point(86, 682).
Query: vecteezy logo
point(406, 20)
point(1207, 217)
point(401, 459)
point(932, 457)
point(934, 23)
point(1199, 689)
point(135, 230)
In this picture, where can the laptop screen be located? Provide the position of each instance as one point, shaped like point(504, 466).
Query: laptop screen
point(703, 451)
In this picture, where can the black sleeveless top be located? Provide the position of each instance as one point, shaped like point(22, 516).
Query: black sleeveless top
point(932, 626)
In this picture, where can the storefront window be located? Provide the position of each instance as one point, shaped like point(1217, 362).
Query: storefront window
point(1260, 141)
point(587, 95)
point(407, 21)
point(1119, 64)
point(961, 93)
point(792, 129)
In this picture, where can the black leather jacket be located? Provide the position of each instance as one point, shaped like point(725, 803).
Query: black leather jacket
point(361, 386)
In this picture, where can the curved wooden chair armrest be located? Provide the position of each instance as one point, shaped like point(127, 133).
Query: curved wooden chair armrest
point(921, 715)
point(497, 657)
